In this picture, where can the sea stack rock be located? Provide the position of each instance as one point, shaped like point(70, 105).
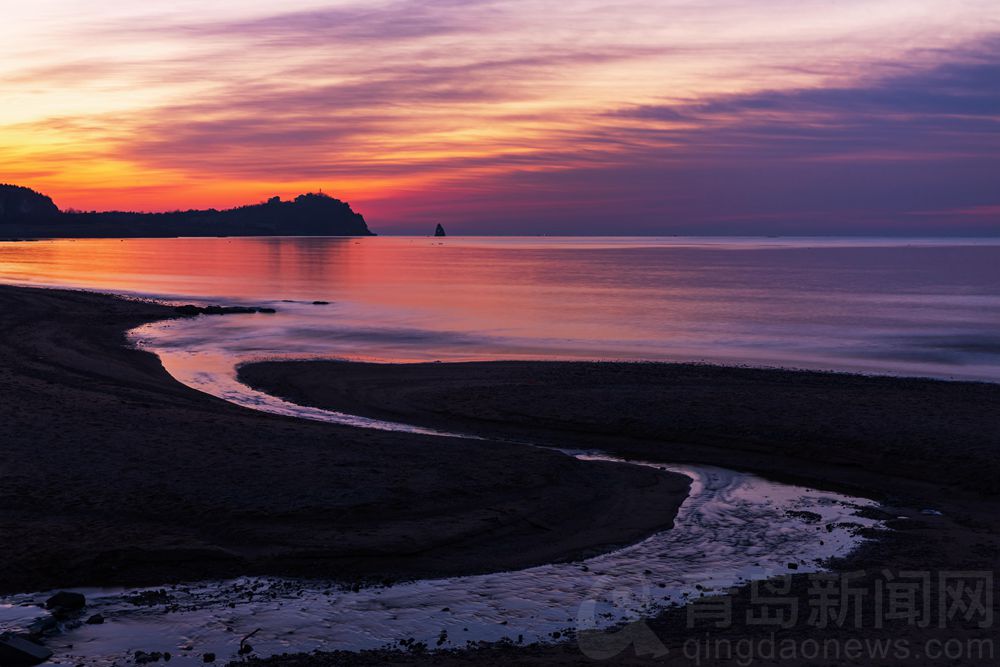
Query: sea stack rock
point(439, 230)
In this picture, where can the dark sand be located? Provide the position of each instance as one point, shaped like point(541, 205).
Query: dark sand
point(913, 444)
point(778, 422)
point(113, 472)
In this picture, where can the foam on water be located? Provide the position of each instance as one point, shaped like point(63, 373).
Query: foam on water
point(733, 527)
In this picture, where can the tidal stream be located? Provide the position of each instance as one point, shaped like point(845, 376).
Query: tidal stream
point(733, 527)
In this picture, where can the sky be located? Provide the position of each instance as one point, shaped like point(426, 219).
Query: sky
point(517, 116)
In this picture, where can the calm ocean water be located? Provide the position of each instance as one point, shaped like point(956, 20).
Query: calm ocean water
point(914, 307)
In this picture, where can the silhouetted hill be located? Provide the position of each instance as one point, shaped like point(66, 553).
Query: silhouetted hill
point(17, 203)
point(26, 213)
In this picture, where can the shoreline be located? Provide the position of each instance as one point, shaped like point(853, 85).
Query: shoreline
point(115, 473)
point(841, 430)
point(941, 506)
point(101, 406)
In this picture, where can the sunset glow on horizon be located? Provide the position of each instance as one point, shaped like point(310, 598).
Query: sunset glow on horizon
point(520, 116)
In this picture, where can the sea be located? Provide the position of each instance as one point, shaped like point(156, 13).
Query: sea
point(898, 306)
point(913, 307)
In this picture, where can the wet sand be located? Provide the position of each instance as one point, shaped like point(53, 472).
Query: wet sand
point(113, 472)
point(913, 444)
point(831, 428)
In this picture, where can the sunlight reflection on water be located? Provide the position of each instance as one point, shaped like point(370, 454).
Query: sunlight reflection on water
point(907, 306)
point(401, 300)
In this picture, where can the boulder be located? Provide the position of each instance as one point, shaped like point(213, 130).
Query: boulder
point(143, 658)
point(66, 601)
point(230, 310)
point(19, 651)
point(191, 310)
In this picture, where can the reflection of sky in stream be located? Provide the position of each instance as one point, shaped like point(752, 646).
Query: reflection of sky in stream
point(733, 527)
point(203, 352)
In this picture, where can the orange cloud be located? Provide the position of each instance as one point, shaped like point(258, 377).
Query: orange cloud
point(416, 110)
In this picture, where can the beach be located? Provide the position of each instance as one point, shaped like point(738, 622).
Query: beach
point(506, 333)
point(875, 434)
point(926, 449)
point(114, 473)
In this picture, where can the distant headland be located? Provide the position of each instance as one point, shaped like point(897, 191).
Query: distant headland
point(25, 213)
